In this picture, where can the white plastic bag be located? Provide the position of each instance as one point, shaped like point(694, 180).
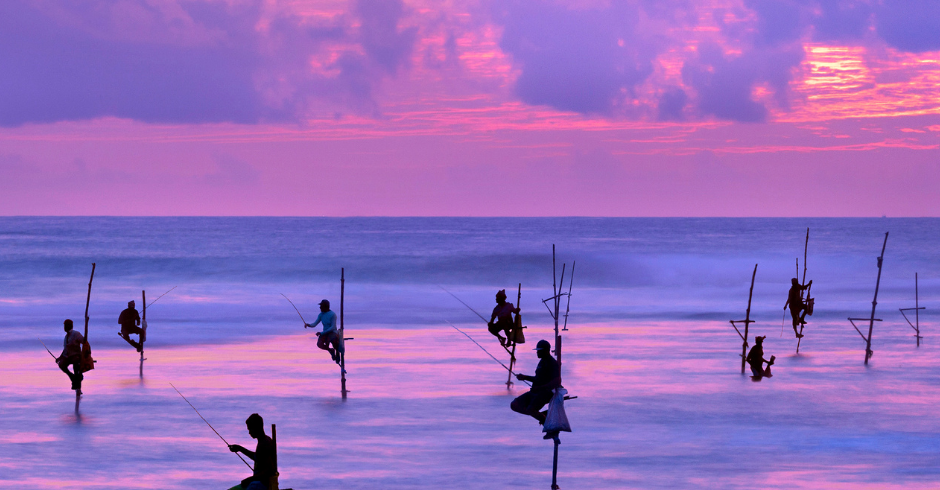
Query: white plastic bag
point(556, 420)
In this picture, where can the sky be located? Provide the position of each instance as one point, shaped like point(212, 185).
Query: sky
point(470, 108)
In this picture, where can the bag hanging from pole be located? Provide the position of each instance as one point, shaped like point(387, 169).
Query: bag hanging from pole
point(517, 335)
point(556, 420)
point(87, 362)
point(810, 303)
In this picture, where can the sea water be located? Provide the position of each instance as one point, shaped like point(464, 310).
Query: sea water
point(649, 353)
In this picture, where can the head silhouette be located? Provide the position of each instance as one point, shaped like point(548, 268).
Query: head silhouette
point(67, 325)
point(501, 296)
point(255, 425)
point(543, 349)
point(325, 305)
point(760, 339)
point(795, 281)
point(130, 304)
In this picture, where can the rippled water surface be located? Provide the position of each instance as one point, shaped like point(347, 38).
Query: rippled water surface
point(649, 353)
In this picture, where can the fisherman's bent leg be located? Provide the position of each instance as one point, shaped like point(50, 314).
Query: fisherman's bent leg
point(521, 403)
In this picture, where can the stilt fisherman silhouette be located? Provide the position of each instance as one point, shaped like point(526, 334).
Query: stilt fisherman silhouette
point(795, 302)
point(329, 338)
point(501, 320)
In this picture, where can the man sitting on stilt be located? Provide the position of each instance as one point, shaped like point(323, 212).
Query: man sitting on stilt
point(263, 456)
point(72, 356)
point(755, 358)
point(547, 378)
point(795, 302)
point(329, 338)
point(130, 321)
point(501, 320)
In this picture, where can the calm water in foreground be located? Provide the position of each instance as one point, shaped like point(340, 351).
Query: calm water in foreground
point(649, 353)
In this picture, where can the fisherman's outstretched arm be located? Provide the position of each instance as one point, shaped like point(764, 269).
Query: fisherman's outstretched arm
point(312, 325)
point(235, 448)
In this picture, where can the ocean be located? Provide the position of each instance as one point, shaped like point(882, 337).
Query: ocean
point(649, 353)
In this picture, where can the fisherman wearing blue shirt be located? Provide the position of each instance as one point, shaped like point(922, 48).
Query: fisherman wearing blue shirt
point(330, 334)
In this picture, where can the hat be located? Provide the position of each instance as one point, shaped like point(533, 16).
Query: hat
point(325, 302)
point(542, 344)
point(501, 292)
point(760, 338)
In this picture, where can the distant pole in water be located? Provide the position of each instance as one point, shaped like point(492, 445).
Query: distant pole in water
point(874, 303)
point(747, 321)
point(143, 294)
point(917, 307)
point(342, 354)
point(512, 355)
point(805, 303)
point(88, 299)
point(557, 293)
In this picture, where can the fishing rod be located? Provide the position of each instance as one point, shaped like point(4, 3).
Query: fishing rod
point(47, 350)
point(465, 304)
point(484, 350)
point(213, 429)
point(295, 309)
point(162, 295)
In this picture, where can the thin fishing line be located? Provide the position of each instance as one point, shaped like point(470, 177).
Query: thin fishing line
point(484, 350)
point(162, 295)
point(465, 304)
point(295, 308)
point(213, 429)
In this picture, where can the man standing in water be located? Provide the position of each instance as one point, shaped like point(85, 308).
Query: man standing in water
point(329, 338)
point(547, 378)
point(755, 358)
point(795, 302)
point(72, 356)
point(264, 456)
point(130, 321)
point(501, 320)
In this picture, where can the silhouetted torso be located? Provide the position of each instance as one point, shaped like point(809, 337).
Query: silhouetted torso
point(796, 300)
point(129, 318)
point(756, 358)
point(264, 459)
point(72, 346)
point(503, 313)
point(547, 375)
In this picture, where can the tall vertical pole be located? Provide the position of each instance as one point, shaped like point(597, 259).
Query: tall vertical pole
point(747, 320)
point(342, 341)
point(555, 469)
point(88, 299)
point(874, 301)
point(143, 335)
point(917, 309)
point(802, 283)
point(512, 354)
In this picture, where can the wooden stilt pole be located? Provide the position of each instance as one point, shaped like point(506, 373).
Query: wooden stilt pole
point(143, 336)
point(874, 303)
point(917, 307)
point(342, 354)
point(555, 469)
point(88, 298)
point(512, 354)
point(805, 250)
point(747, 322)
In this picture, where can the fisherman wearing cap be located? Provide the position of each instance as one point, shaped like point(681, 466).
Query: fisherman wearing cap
point(129, 320)
point(756, 358)
point(547, 378)
point(72, 355)
point(264, 456)
point(330, 335)
point(502, 318)
point(795, 302)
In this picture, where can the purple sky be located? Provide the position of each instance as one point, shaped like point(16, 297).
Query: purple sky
point(470, 108)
